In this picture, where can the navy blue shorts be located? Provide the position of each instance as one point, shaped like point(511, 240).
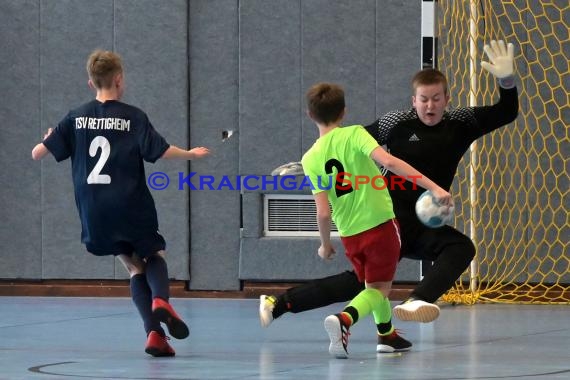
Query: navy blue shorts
point(142, 247)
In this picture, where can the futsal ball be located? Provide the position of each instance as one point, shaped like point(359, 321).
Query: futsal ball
point(431, 213)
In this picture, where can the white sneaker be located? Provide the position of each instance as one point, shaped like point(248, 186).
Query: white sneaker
point(417, 311)
point(338, 335)
point(266, 306)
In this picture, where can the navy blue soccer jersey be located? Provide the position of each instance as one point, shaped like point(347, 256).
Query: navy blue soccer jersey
point(107, 143)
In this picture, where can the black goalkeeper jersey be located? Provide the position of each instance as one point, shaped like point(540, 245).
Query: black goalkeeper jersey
point(107, 143)
point(436, 150)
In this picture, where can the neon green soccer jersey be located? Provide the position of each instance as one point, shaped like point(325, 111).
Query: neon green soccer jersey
point(347, 150)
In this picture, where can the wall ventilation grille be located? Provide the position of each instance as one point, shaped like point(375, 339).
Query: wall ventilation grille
point(291, 215)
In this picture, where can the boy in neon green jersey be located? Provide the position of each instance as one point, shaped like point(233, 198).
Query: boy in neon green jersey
point(363, 214)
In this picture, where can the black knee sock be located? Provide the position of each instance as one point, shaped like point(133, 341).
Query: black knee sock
point(282, 306)
point(157, 277)
point(384, 328)
point(446, 269)
point(351, 310)
point(142, 298)
point(341, 287)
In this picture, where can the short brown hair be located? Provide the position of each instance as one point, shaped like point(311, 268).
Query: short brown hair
point(325, 102)
point(102, 66)
point(427, 77)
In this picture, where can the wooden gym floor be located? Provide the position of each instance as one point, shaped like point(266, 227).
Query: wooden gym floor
point(102, 338)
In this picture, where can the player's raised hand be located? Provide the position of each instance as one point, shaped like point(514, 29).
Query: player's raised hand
point(199, 152)
point(501, 59)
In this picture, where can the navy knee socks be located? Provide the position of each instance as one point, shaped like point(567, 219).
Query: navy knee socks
point(157, 277)
point(142, 298)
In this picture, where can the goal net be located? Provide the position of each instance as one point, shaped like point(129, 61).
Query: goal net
point(512, 187)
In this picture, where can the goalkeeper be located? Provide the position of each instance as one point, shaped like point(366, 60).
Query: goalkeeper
point(432, 140)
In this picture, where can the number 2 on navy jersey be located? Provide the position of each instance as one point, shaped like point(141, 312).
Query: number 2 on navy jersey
point(95, 177)
point(340, 188)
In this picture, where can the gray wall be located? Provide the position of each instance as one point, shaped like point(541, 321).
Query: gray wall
point(197, 68)
point(45, 45)
point(285, 47)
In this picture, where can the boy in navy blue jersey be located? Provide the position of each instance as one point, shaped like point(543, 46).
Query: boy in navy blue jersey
point(107, 141)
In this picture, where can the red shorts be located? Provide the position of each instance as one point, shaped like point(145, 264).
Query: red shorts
point(374, 253)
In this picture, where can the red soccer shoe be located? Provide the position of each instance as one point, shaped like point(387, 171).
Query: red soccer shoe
point(166, 314)
point(157, 345)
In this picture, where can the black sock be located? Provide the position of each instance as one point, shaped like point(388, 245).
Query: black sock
point(384, 328)
point(157, 277)
point(325, 291)
point(351, 310)
point(281, 306)
point(142, 298)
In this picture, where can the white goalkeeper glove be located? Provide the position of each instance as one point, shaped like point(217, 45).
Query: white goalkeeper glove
point(501, 62)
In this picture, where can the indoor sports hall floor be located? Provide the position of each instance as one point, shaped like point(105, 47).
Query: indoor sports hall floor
point(102, 338)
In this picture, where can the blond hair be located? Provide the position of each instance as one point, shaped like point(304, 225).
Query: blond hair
point(102, 66)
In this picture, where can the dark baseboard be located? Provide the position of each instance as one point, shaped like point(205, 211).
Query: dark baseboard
point(178, 289)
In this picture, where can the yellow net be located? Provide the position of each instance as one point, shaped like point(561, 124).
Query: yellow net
point(512, 188)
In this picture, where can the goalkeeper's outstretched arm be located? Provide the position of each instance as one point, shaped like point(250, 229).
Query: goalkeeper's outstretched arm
point(501, 66)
